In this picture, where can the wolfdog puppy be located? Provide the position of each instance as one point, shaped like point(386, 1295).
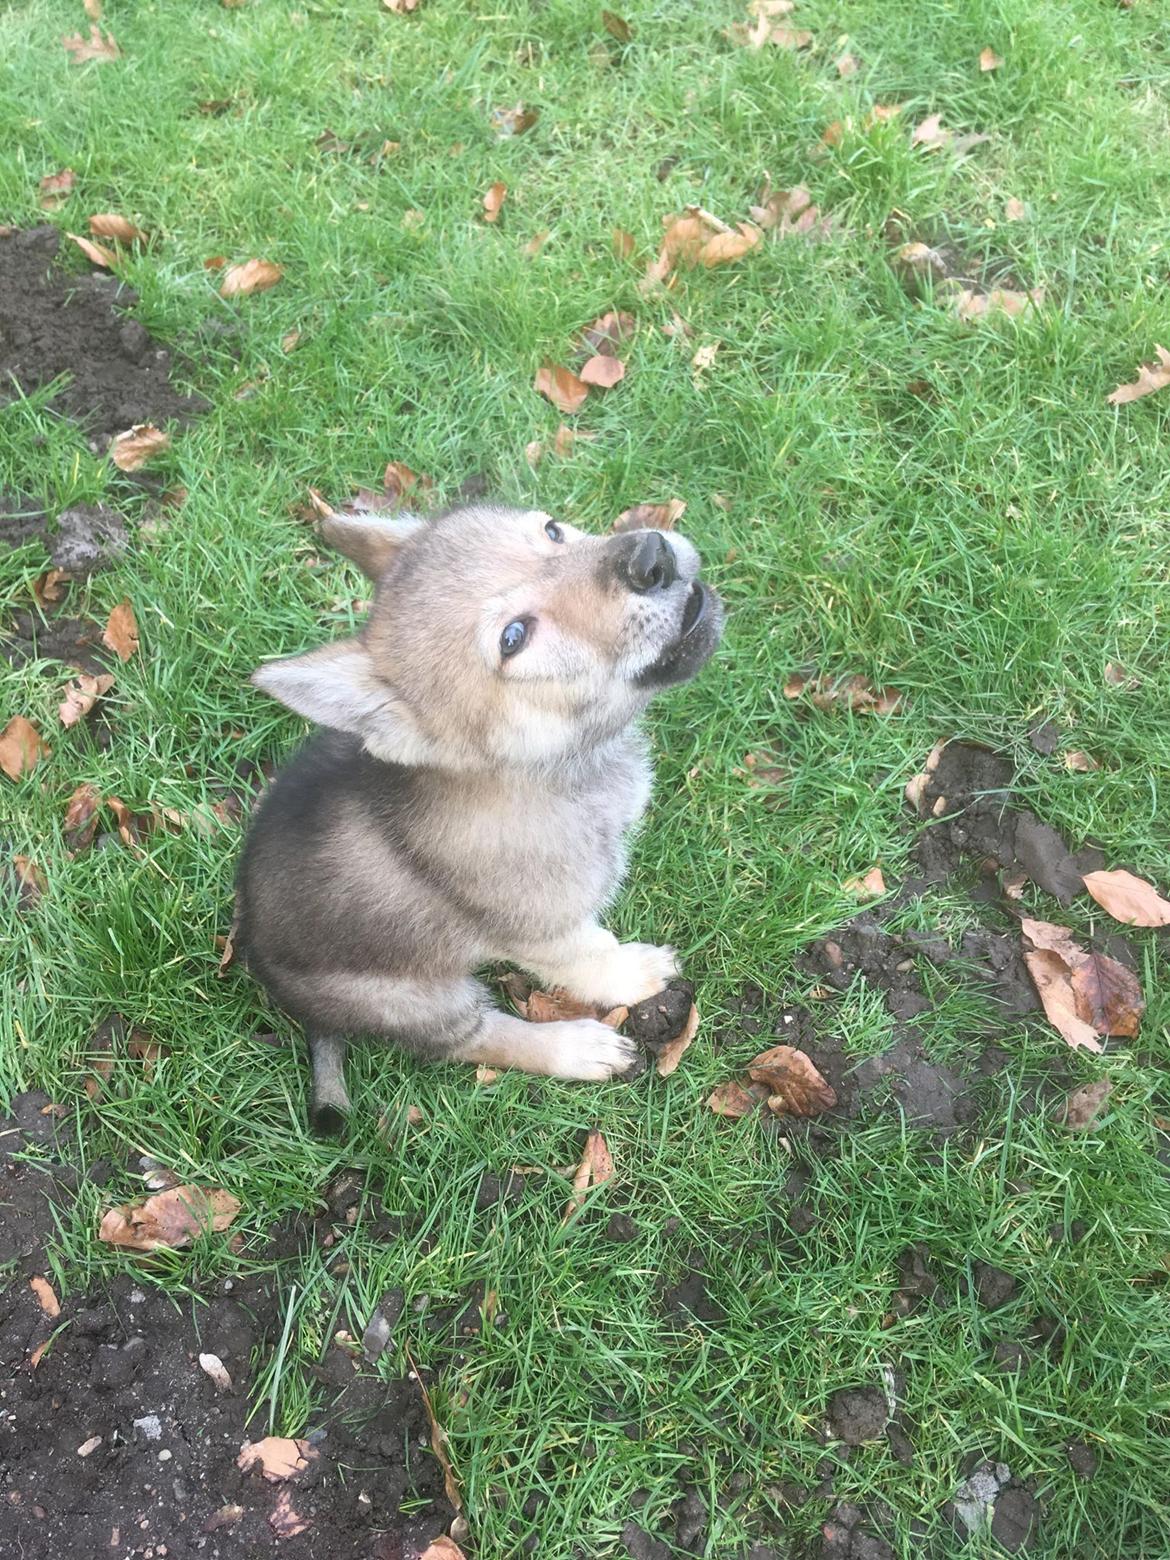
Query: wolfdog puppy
point(469, 797)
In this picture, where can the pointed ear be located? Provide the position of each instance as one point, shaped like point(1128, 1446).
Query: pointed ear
point(371, 540)
point(338, 687)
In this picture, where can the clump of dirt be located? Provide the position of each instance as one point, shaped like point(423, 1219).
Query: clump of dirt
point(56, 324)
point(116, 1439)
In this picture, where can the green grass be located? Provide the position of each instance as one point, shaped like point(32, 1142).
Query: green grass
point(987, 550)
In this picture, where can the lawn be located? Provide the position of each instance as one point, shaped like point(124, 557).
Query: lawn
point(880, 488)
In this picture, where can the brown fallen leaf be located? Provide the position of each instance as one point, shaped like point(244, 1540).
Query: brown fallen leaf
point(1151, 377)
point(1014, 210)
point(131, 450)
point(493, 201)
point(1050, 962)
point(401, 7)
point(549, 1007)
point(108, 224)
point(49, 588)
point(704, 358)
point(31, 882)
point(561, 386)
point(444, 1548)
point(916, 786)
point(98, 46)
point(223, 1516)
point(617, 26)
point(972, 305)
point(603, 371)
point(81, 818)
point(438, 1436)
point(855, 693)
point(98, 253)
point(536, 243)
point(54, 188)
point(277, 1457)
point(213, 1366)
point(596, 1167)
point(847, 65)
point(732, 1099)
point(932, 137)
point(1108, 995)
point(651, 517)
point(1128, 899)
point(1082, 1106)
point(81, 694)
point(250, 277)
point(1081, 763)
point(46, 1296)
point(513, 121)
point(170, 1218)
point(283, 1519)
point(398, 480)
point(672, 1052)
point(762, 772)
point(607, 333)
point(38, 1353)
point(989, 60)
point(121, 631)
point(722, 248)
point(795, 1087)
point(1117, 676)
point(21, 747)
point(871, 886)
point(132, 827)
point(623, 243)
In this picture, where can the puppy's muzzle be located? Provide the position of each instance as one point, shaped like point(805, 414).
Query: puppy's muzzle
point(648, 563)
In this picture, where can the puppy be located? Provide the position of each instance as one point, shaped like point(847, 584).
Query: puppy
point(469, 798)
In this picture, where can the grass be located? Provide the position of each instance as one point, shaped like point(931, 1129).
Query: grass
point(987, 548)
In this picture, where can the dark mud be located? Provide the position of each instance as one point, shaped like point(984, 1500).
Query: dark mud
point(59, 323)
point(118, 1441)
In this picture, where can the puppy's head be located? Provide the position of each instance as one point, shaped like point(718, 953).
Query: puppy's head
point(502, 636)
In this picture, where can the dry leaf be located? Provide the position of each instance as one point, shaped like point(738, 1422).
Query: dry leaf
point(595, 1169)
point(131, 826)
point(762, 771)
point(1108, 995)
point(617, 26)
point(791, 212)
point(132, 449)
point(55, 187)
point(623, 243)
point(214, 1367)
point(121, 631)
point(704, 358)
point(493, 201)
point(37, 1354)
point(870, 886)
point(444, 1548)
point(916, 787)
point(1082, 1106)
point(732, 1099)
point(931, 135)
point(1014, 210)
point(81, 695)
point(398, 479)
point(31, 882)
point(290, 341)
point(607, 333)
point(513, 121)
point(284, 1521)
point(21, 747)
point(972, 305)
point(672, 1052)
point(1081, 763)
point(438, 1437)
point(277, 1457)
point(107, 224)
point(549, 1007)
point(486, 1076)
point(651, 517)
point(1052, 960)
point(989, 60)
point(533, 451)
point(855, 693)
point(790, 37)
point(1151, 377)
point(561, 386)
point(1128, 899)
point(725, 247)
point(172, 1218)
point(223, 1516)
point(49, 588)
point(536, 243)
point(81, 818)
point(1117, 676)
point(847, 65)
point(97, 46)
point(795, 1087)
point(92, 9)
point(603, 371)
point(252, 276)
point(98, 253)
point(46, 1296)
point(401, 7)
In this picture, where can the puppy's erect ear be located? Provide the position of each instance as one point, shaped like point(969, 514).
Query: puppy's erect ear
point(371, 540)
point(338, 687)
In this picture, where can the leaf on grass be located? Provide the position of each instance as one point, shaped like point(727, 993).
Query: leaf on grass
point(443, 1548)
point(121, 631)
point(108, 224)
point(732, 1099)
point(132, 449)
point(989, 60)
point(1014, 210)
point(54, 187)
point(438, 1437)
point(561, 386)
point(81, 818)
point(916, 786)
point(1118, 677)
point(92, 9)
point(932, 137)
point(1108, 995)
point(250, 277)
point(21, 747)
point(513, 121)
point(284, 1520)
point(871, 886)
point(1082, 1106)
point(31, 882)
point(623, 243)
point(98, 46)
point(603, 371)
point(761, 771)
point(795, 1087)
point(791, 213)
point(46, 1296)
point(726, 247)
point(651, 517)
point(550, 1007)
point(277, 1457)
point(1128, 899)
point(81, 694)
point(857, 694)
point(1051, 961)
point(704, 358)
point(98, 253)
point(847, 65)
point(595, 1168)
point(171, 1218)
point(49, 588)
point(688, 236)
point(131, 826)
point(1081, 763)
point(617, 26)
point(398, 480)
point(607, 333)
point(672, 1052)
point(493, 200)
point(972, 305)
point(1151, 377)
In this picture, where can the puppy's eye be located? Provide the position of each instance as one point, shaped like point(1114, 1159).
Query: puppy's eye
point(553, 531)
point(514, 638)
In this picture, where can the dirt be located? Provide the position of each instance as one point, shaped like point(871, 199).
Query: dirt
point(60, 322)
point(858, 1414)
point(123, 1366)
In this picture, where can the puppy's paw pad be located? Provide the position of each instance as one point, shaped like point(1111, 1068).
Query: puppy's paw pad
point(591, 1052)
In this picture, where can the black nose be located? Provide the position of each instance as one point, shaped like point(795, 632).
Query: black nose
point(649, 563)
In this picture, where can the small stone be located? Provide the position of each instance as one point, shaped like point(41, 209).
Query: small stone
point(993, 1286)
point(150, 1425)
point(165, 1455)
point(1082, 1459)
point(89, 1446)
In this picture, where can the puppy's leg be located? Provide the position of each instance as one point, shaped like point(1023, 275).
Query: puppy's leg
point(593, 966)
point(328, 1100)
point(577, 1048)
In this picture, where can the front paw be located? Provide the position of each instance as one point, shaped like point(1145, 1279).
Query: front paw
point(633, 972)
point(583, 1049)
